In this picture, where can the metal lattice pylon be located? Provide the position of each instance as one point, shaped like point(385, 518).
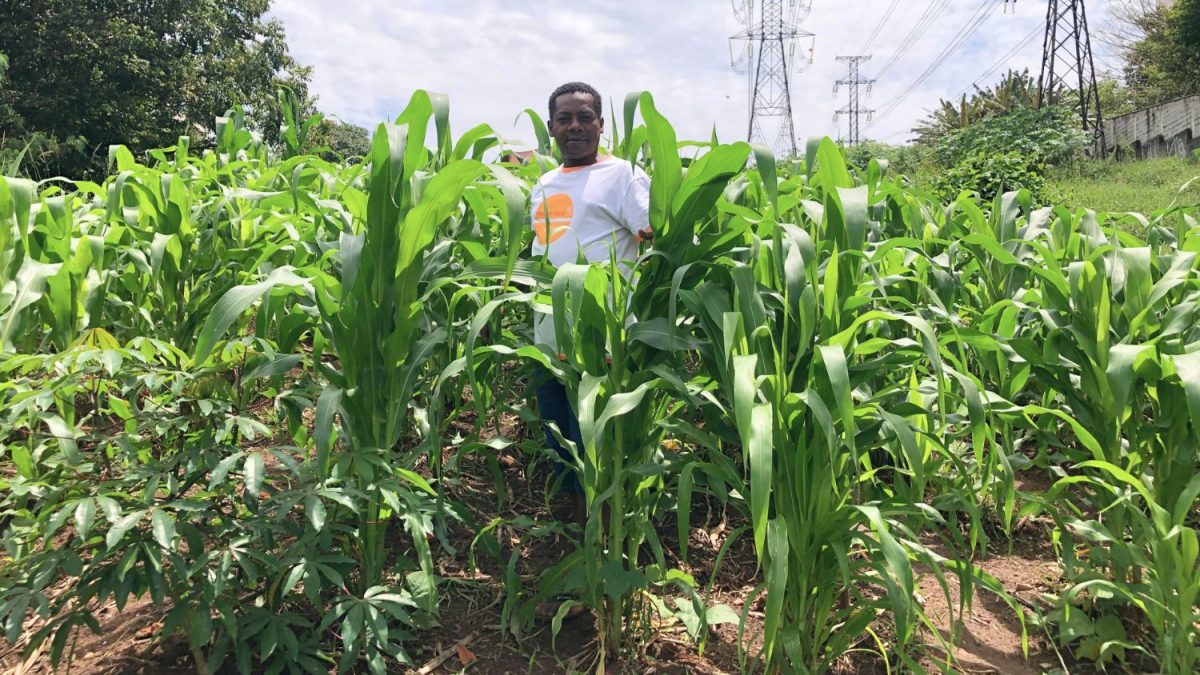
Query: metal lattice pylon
point(1068, 71)
point(854, 80)
point(771, 34)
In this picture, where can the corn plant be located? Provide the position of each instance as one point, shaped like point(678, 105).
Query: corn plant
point(784, 324)
point(381, 319)
point(1119, 322)
point(625, 381)
point(855, 366)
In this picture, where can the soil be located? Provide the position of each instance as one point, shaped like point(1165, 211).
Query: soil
point(128, 643)
point(990, 633)
point(470, 639)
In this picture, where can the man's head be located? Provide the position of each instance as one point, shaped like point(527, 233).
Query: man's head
point(576, 122)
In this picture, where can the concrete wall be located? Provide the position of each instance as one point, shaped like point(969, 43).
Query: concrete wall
point(1169, 129)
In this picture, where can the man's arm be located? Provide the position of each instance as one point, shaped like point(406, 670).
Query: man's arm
point(635, 211)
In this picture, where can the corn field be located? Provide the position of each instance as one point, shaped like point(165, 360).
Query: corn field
point(230, 382)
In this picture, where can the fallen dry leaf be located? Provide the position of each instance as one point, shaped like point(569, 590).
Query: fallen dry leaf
point(465, 655)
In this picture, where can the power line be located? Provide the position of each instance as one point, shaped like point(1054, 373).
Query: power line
point(890, 136)
point(973, 24)
point(1004, 59)
point(965, 31)
point(923, 23)
point(879, 27)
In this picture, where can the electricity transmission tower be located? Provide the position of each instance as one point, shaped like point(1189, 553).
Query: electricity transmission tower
point(770, 36)
point(854, 110)
point(1068, 71)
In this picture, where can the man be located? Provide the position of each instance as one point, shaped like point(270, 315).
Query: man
point(594, 205)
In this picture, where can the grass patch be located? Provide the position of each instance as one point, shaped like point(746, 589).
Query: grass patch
point(1141, 186)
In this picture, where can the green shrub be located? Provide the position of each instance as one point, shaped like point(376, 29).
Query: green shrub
point(35, 155)
point(1006, 152)
point(991, 174)
point(1050, 136)
point(902, 159)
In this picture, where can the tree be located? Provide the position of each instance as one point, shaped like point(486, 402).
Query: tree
point(1160, 47)
point(138, 73)
point(335, 140)
point(1115, 98)
point(8, 116)
point(1188, 36)
point(1127, 25)
point(1014, 90)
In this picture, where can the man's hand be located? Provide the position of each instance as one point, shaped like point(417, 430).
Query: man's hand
point(645, 235)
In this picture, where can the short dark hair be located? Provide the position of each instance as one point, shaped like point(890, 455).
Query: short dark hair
point(576, 88)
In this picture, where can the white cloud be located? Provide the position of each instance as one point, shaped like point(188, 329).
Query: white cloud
point(494, 59)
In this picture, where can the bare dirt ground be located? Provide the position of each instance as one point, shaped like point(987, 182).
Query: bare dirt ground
point(470, 639)
point(990, 633)
point(128, 643)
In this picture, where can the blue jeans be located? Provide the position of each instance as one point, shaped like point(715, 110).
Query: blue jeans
point(555, 406)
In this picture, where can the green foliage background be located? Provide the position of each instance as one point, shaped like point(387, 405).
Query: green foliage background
point(1008, 151)
point(1163, 62)
point(139, 74)
point(235, 383)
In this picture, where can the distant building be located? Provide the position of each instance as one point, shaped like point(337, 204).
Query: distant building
point(517, 156)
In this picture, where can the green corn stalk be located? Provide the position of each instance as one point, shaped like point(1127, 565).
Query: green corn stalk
point(823, 375)
point(872, 364)
point(374, 323)
point(377, 322)
point(1120, 333)
point(622, 376)
point(622, 405)
point(294, 131)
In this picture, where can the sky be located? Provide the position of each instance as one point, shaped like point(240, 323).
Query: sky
point(494, 59)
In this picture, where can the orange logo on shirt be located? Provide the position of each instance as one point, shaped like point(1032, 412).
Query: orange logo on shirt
point(561, 210)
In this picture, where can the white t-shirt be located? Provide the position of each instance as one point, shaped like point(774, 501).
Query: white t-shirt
point(597, 209)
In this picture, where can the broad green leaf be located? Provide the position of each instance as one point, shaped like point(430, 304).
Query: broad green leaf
point(162, 526)
point(778, 562)
point(252, 475)
point(1188, 367)
point(121, 527)
point(761, 446)
point(314, 510)
point(236, 301)
point(667, 174)
point(85, 516)
point(26, 289)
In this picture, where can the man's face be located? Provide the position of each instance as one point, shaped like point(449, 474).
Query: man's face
point(576, 127)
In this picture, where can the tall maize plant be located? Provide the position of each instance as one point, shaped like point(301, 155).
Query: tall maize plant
point(1116, 344)
point(828, 385)
point(859, 368)
point(620, 363)
point(384, 331)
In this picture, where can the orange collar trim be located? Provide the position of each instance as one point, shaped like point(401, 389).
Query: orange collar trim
point(573, 169)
